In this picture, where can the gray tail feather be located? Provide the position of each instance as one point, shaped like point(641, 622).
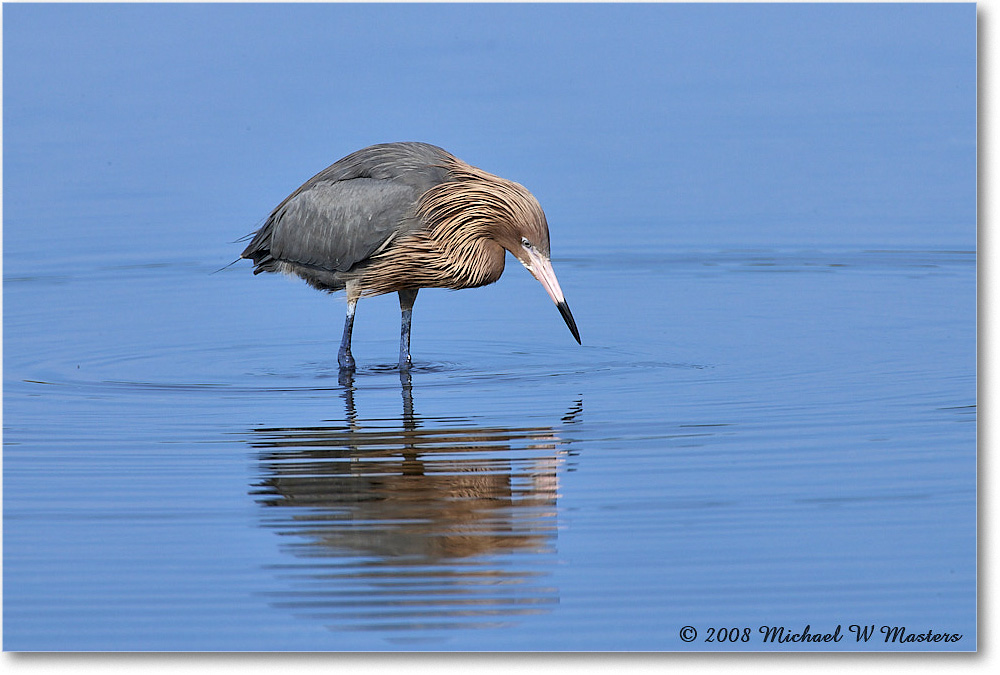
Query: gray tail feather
point(227, 266)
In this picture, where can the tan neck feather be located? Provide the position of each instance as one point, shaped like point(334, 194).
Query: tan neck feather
point(465, 221)
point(476, 204)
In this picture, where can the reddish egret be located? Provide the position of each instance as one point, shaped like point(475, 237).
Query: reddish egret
point(399, 217)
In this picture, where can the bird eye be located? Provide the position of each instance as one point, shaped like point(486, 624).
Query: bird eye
point(525, 243)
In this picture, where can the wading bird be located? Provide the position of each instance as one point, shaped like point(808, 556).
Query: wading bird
point(399, 217)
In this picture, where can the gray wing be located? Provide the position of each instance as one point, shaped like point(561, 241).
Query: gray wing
point(337, 225)
point(343, 214)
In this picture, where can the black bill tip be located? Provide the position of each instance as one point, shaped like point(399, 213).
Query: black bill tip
point(568, 318)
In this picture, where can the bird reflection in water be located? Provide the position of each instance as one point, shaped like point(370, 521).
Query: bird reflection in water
point(418, 524)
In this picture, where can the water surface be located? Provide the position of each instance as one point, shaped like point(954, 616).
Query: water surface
point(769, 444)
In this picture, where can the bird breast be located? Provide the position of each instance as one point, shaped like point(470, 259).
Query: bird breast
point(421, 260)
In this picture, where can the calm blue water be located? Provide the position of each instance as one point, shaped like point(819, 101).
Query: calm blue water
point(763, 219)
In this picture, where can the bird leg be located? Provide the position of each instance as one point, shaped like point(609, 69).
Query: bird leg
point(406, 299)
point(344, 357)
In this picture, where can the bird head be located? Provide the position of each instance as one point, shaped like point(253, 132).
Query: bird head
point(475, 203)
point(526, 235)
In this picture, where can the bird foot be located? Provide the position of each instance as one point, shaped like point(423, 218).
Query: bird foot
point(345, 360)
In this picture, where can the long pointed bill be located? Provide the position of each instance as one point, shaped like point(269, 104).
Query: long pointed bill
point(541, 268)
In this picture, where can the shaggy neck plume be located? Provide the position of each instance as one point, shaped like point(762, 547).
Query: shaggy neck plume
point(467, 224)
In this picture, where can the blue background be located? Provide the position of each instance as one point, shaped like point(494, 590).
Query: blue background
point(763, 217)
point(811, 124)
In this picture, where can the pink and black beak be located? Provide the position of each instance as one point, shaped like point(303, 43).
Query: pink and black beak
point(541, 268)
